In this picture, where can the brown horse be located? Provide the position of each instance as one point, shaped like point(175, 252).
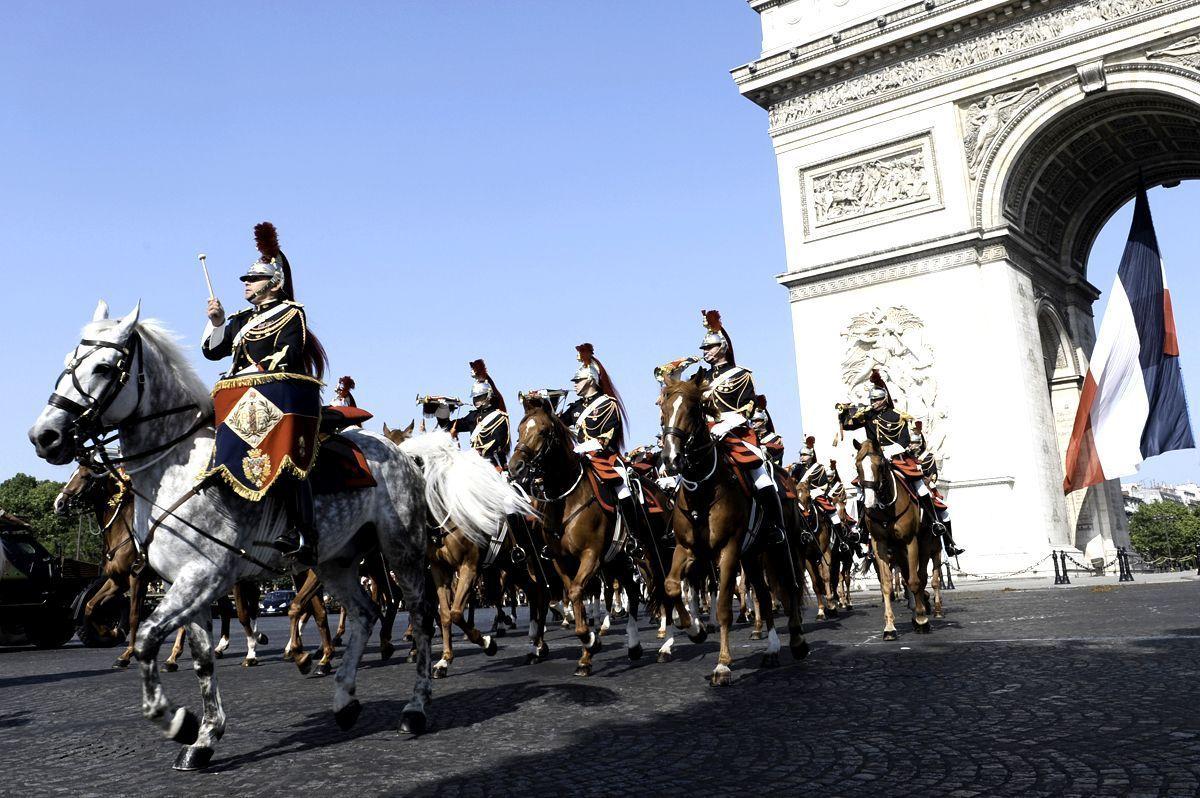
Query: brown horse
point(816, 544)
point(579, 531)
point(711, 519)
point(900, 537)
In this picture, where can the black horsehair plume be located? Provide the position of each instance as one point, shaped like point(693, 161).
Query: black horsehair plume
point(267, 240)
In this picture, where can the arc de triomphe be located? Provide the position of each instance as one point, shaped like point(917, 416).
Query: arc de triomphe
point(944, 167)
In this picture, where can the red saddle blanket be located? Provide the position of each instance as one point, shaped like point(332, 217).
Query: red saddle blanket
point(341, 464)
point(735, 448)
point(602, 473)
point(825, 504)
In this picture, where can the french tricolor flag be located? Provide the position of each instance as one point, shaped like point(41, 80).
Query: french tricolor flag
point(1132, 406)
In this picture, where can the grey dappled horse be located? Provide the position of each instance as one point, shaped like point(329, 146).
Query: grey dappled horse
point(131, 378)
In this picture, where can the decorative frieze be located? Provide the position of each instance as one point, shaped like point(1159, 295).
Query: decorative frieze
point(1045, 29)
point(982, 121)
point(872, 274)
point(1185, 51)
point(870, 187)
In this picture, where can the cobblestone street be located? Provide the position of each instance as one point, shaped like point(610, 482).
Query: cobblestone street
point(1089, 690)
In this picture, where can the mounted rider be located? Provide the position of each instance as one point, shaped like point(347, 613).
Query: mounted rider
point(729, 398)
point(918, 448)
point(341, 394)
point(888, 428)
point(597, 420)
point(268, 404)
point(487, 421)
point(764, 427)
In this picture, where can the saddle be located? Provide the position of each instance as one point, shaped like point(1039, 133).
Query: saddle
point(602, 473)
point(825, 505)
point(341, 465)
point(734, 446)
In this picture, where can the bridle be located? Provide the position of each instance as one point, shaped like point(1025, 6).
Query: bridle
point(534, 477)
point(89, 430)
point(692, 455)
point(876, 484)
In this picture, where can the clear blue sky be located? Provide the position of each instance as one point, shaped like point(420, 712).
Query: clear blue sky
point(450, 181)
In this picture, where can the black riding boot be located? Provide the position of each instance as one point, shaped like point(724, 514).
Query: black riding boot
point(628, 510)
point(948, 542)
point(772, 507)
point(299, 539)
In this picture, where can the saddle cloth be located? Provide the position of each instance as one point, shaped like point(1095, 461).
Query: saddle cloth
point(602, 473)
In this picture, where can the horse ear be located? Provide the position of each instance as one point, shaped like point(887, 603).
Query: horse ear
point(101, 312)
point(386, 430)
point(408, 430)
point(126, 325)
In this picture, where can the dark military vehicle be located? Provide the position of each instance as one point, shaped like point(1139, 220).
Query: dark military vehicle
point(37, 589)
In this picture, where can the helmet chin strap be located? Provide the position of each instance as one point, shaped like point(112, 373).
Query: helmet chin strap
point(257, 295)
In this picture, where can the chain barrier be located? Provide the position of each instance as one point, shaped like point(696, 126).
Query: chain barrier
point(1027, 569)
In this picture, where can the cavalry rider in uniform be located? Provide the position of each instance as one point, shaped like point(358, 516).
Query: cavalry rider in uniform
point(770, 440)
point(888, 428)
point(597, 420)
point(925, 457)
point(276, 372)
point(487, 422)
point(730, 399)
point(341, 394)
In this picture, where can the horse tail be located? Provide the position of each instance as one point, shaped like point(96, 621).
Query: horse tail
point(462, 489)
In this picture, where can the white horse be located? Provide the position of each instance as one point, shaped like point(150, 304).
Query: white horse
point(131, 378)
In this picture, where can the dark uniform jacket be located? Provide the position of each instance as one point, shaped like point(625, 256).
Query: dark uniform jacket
point(596, 418)
point(814, 476)
point(488, 427)
point(729, 388)
point(884, 427)
point(270, 338)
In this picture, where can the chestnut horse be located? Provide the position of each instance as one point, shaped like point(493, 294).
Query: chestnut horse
point(579, 531)
point(711, 518)
point(900, 537)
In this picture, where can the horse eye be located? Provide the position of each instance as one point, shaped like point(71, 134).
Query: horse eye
point(102, 369)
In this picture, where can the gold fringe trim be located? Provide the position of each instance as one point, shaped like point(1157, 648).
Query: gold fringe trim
point(248, 380)
point(257, 495)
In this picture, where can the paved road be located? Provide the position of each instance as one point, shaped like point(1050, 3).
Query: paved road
point(1085, 691)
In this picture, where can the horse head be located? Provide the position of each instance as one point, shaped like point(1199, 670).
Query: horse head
point(93, 393)
point(872, 467)
point(539, 433)
point(398, 436)
point(85, 490)
point(682, 419)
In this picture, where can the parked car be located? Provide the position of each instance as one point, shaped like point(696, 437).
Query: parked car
point(37, 589)
point(276, 602)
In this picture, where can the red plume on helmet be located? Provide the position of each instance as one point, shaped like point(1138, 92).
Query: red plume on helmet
point(712, 322)
point(344, 386)
point(479, 372)
point(920, 425)
point(266, 239)
point(810, 441)
point(587, 356)
point(877, 381)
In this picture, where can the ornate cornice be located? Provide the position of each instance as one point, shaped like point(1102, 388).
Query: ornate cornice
point(1033, 33)
point(801, 287)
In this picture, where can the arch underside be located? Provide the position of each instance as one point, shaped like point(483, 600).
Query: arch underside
point(1085, 164)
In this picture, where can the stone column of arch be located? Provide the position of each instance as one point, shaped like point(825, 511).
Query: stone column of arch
point(944, 168)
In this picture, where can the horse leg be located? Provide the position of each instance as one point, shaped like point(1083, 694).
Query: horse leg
point(935, 582)
point(342, 581)
point(243, 614)
point(297, 611)
point(137, 600)
point(223, 643)
point(829, 572)
point(792, 595)
point(212, 724)
point(673, 590)
point(633, 644)
point(727, 568)
point(384, 598)
point(917, 552)
point(885, 587)
point(321, 620)
point(418, 592)
point(341, 628)
point(172, 663)
point(443, 584)
point(590, 640)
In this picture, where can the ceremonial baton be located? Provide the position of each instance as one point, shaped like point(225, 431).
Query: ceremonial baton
point(204, 265)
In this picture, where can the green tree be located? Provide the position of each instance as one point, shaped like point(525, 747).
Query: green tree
point(32, 500)
point(1164, 529)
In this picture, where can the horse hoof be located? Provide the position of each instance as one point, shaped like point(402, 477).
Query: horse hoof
point(289, 655)
point(413, 722)
point(722, 678)
point(603, 631)
point(193, 757)
point(386, 650)
point(120, 663)
point(323, 669)
point(170, 667)
point(664, 656)
point(922, 628)
point(347, 716)
point(890, 635)
point(440, 671)
point(699, 638)
point(262, 639)
point(412, 656)
point(218, 653)
point(499, 631)
point(490, 648)
point(304, 663)
point(939, 614)
point(565, 624)
point(635, 653)
point(530, 659)
point(543, 652)
point(583, 670)
point(756, 634)
point(249, 662)
point(711, 628)
point(799, 650)
point(597, 646)
point(770, 661)
point(831, 612)
point(820, 615)
point(741, 618)
point(185, 727)
point(337, 641)
point(661, 634)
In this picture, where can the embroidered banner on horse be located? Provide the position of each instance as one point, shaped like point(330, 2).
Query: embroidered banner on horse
point(265, 423)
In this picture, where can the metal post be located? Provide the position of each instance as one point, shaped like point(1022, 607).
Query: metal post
point(1198, 559)
point(1066, 579)
point(1058, 578)
point(948, 581)
point(1123, 566)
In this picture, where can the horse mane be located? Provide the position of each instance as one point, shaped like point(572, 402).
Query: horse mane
point(157, 337)
point(689, 390)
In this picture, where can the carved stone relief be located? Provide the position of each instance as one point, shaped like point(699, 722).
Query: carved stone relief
point(1185, 51)
point(893, 341)
point(884, 183)
point(982, 121)
point(1045, 28)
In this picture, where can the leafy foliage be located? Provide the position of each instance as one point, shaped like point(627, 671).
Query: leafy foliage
point(1164, 529)
point(32, 500)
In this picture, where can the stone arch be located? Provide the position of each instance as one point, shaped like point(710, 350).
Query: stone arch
point(1068, 160)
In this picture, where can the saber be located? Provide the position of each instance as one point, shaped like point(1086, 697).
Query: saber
point(204, 265)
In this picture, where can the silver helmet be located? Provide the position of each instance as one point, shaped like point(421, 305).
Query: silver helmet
point(877, 394)
point(587, 371)
point(714, 333)
point(272, 271)
point(481, 389)
point(809, 451)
